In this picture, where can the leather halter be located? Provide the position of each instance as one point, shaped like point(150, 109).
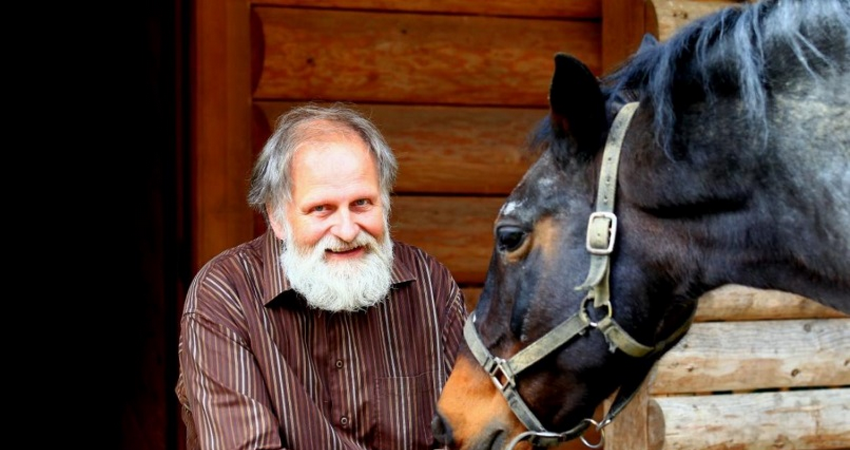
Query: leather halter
point(601, 235)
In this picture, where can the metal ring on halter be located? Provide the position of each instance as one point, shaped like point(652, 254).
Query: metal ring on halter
point(586, 317)
point(536, 439)
point(518, 438)
point(601, 435)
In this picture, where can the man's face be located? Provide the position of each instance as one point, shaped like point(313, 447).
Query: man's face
point(338, 253)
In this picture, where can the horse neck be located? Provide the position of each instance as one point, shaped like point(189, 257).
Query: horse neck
point(782, 220)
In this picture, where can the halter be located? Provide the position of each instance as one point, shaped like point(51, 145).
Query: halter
point(601, 235)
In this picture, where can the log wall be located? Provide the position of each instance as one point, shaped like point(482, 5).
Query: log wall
point(456, 86)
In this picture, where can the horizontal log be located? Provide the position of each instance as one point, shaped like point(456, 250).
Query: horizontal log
point(741, 303)
point(800, 419)
point(584, 9)
point(456, 230)
point(743, 356)
point(446, 150)
point(396, 58)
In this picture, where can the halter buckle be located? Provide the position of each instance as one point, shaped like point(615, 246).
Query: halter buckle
point(501, 367)
point(608, 232)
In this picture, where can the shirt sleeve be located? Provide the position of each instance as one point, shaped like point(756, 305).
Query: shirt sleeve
point(453, 327)
point(225, 397)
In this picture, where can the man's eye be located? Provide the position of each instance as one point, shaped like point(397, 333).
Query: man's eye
point(361, 202)
point(320, 208)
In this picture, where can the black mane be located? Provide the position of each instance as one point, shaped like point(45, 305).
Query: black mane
point(724, 54)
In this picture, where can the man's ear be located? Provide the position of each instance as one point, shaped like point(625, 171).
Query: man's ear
point(277, 227)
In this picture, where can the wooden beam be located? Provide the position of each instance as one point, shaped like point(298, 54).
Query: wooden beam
point(572, 9)
point(764, 354)
point(806, 419)
point(739, 303)
point(220, 128)
point(623, 27)
point(378, 57)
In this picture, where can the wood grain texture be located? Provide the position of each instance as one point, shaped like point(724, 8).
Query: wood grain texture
point(414, 58)
point(584, 9)
point(768, 354)
point(456, 230)
point(449, 150)
point(623, 27)
point(221, 129)
point(740, 303)
point(806, 419)
point(667, 16)
point(629, 429)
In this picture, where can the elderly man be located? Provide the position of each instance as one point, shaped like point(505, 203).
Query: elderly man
point(324, 332)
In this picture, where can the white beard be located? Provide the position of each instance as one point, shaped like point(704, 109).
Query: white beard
point(340, 285)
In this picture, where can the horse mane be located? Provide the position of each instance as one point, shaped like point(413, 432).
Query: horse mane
point(740, 50)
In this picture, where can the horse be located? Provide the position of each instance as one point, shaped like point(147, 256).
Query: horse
point(719, 156)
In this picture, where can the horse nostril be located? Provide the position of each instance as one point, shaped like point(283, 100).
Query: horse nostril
point(442, 432)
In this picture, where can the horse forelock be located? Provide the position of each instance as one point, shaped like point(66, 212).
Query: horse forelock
point(736, 47)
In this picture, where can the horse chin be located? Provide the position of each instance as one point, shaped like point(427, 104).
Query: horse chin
point(497, 439)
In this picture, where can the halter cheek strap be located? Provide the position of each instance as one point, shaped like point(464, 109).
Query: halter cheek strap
point(503, 375)
point(602, 224)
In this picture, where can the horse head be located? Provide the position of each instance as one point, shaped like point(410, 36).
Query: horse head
point(716, 157)
point(546, 271)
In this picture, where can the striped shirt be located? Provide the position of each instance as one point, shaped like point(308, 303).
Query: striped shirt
point(260, 369)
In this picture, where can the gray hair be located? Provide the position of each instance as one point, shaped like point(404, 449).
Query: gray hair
point(271, 181)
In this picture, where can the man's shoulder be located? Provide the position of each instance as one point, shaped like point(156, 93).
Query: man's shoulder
point(236, 276)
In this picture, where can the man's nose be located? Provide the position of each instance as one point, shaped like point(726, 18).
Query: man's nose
point(346, 227)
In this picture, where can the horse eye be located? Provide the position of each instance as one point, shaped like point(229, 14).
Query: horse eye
point(509, 238)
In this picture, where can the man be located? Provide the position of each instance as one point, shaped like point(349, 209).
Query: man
point(323, 333)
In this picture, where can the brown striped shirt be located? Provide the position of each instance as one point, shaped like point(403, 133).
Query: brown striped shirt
point(259, 369)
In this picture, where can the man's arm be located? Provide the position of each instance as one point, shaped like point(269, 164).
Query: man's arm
point(223, 388)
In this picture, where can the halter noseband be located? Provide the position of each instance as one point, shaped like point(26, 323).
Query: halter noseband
point(601, 235)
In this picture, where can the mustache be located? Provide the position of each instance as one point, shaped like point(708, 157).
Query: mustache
point(335, 244)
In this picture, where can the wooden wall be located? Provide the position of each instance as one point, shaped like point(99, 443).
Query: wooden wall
point(456, 86)
point(758, 369)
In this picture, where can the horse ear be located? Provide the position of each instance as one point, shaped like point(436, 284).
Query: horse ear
point(576, 103)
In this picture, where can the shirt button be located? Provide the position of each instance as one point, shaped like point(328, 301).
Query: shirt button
point(339, 364)
point(344, 421)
